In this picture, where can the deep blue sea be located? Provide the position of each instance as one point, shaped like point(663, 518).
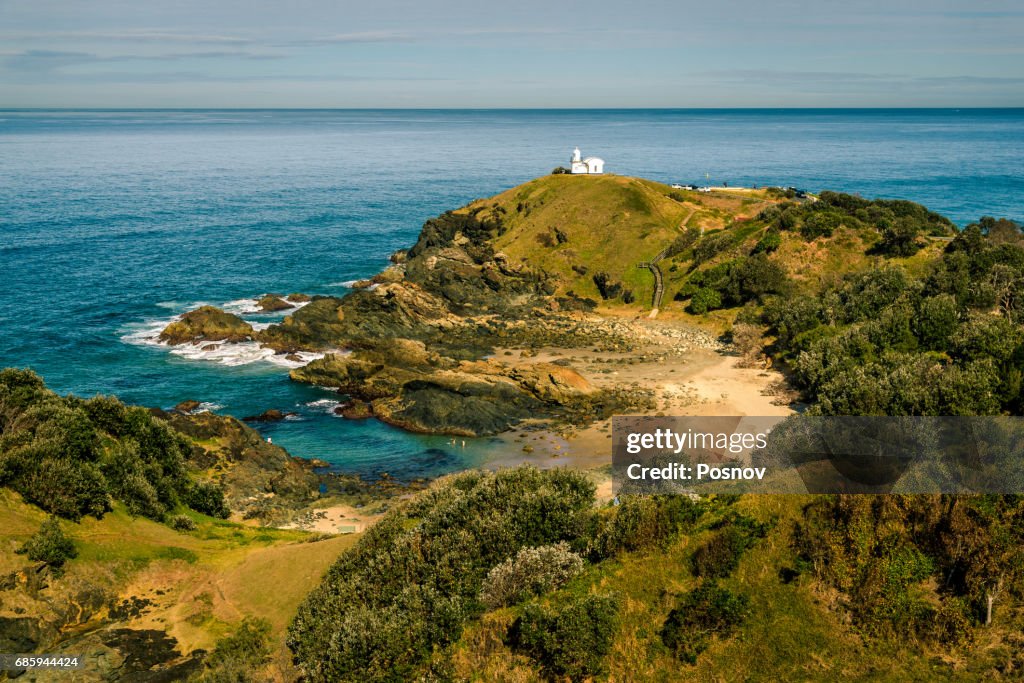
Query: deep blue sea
point(112, 222)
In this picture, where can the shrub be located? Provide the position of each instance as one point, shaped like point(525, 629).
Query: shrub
point(820, 224)
point(64, 488)
point(237, 657)
point(702, 614)
point(208, 498)
point(704, 300)
point(711, 245)
point(411, 582)
point(721, 553)
point(71, 456)
point(640, 522)
point(748, 342)
point(49, 545)
point(771, 241)
point(532, 571)
point(181, 523)
point(900, 238)
point(128, 479)
point(683, 242)
point(572, 641)
point(606, 286)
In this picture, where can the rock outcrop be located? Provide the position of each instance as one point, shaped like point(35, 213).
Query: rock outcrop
point(410, 386)
point(207, 323)
point(271, 303)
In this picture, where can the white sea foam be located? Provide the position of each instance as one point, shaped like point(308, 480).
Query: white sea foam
point(230, 354)
point(147, 333)
point(303, 356)
point(242, 306)
point(297, 304)
point(207, 407)
point(347, 283)
point(326, 405)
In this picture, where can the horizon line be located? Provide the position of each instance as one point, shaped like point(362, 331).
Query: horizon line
point(551, 109)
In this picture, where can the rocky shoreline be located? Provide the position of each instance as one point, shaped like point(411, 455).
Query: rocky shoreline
point(414, 347)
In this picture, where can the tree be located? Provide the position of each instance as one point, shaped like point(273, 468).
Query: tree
point(900, 238)
point(49, 545)
point(704, 300)
point(748, 342)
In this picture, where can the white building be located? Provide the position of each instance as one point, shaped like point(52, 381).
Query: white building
point(589, 165)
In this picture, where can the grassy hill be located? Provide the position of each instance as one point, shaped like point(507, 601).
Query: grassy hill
point(134, 575)
point(605, 224)
point(577, 227)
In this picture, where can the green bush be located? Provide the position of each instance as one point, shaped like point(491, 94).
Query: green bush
point(900, 238)
point(62, 487)
point(720, 554)
point(207, 498)
point(411, 582)
point(571, 641)
point(771, 241)
point(711, 245)
point(702, 614)
point(683, 242)
point(49, 545)
point(820, 224)
point(237, 658)
point(704, 300)
point(181, 523)
point(641, 522)
point(71, 456)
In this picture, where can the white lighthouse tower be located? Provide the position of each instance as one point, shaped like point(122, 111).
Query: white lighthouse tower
point(589, 166)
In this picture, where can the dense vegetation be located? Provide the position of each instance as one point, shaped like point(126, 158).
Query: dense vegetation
point(392, 607)
point(888, 342)
point(881, 551)
point(72, 457)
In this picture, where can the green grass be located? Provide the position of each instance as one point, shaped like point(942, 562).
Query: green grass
point(612, 223)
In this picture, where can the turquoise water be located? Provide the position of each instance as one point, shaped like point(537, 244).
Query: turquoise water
point(111, 222)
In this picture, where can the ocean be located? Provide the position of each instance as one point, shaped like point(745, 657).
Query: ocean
point(113, 222)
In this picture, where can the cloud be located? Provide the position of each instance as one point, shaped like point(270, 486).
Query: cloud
point(127, 35)
point(427, 34)
point(848, 79)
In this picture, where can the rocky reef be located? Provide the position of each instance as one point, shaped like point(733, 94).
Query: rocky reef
point(412, 346)
point(409, 386)
point(209, 324)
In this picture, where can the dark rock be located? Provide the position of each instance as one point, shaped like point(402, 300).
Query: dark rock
point(355, 410)
point(271, 303)
point(248, 466)
point(272, 415)
point(299, 298)
point(187, 406)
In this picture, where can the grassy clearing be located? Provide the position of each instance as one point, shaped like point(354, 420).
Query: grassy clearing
point(200, 584)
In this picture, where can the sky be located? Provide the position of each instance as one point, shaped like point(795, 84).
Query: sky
point(514, 53)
